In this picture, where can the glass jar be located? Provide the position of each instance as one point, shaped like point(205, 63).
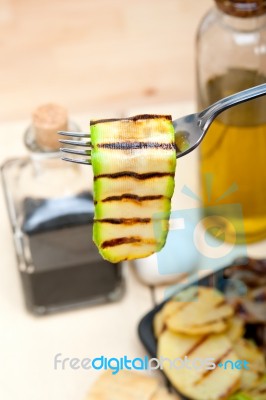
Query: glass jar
point(51, 210)
point(231, 56)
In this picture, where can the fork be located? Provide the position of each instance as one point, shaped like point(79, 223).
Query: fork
point(189, 130)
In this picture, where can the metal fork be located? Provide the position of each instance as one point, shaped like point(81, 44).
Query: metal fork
point(189, 130)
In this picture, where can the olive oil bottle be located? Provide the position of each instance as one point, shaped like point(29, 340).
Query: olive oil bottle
point(232, 57)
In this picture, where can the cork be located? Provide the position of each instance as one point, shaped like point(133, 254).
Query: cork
point(47, 120)
point(242, 8)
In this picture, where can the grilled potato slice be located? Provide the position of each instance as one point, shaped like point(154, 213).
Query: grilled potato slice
point(126, 385)
point(199, 384)
point(207, 313)
point(171, 307)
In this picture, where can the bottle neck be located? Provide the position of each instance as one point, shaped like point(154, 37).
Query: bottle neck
point(245, 25)
point(36, 151)
point(40, 149)
point(242, 8)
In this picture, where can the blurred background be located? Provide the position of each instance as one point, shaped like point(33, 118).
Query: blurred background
point(96, 54)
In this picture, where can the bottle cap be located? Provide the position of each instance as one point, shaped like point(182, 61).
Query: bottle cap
point(242, 8)
point(47, 120)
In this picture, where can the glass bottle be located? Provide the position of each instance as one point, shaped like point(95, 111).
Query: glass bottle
point(51, 211)
point(231, 56)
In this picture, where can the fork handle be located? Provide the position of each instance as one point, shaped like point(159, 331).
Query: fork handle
point(209, 114)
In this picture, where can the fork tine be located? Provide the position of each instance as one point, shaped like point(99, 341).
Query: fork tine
point(77, 160)
point(82, 143)
point(74, 151)
point(74, 134)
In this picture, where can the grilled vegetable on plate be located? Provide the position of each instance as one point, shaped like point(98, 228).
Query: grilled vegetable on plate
point(199, 323)
point(133, 162)
point(209, 319)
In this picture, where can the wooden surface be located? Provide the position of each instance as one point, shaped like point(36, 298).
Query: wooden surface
point(95, 55)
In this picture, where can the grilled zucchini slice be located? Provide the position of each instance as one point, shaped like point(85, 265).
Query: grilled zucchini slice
point(133, 162)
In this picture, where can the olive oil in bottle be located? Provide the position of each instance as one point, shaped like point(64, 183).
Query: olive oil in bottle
point(234, 153)
point(231, 56)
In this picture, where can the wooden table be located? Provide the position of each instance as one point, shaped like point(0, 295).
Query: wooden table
point(96, 54)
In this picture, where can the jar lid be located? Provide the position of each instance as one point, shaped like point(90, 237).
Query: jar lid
point(242, 8)
point(47, 120)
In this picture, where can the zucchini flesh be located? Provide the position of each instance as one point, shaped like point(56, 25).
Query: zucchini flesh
point(133, 161)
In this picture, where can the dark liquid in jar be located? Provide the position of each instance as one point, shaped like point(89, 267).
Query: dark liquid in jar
point(66, 268)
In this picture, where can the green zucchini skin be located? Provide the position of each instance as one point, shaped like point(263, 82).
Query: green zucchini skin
point(133, 161)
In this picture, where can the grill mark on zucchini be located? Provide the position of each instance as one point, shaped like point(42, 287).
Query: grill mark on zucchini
point(135, 175)
point(135, 118)
point(124, 221)
point(137, 146)
point(126, 240)
point(134, 197)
